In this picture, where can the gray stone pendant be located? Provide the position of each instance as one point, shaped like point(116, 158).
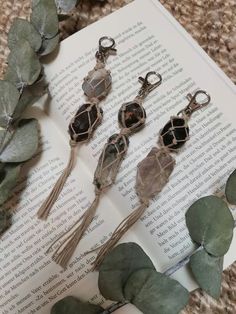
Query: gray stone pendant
point(97, 83)
point(153, 173)
point(110, 160)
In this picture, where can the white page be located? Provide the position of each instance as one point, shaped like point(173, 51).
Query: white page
point(125, 86)
point(155, 41)
point(30, 281)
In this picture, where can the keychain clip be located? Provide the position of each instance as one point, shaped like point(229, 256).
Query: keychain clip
point(105, 49)
point(148, 86)
point(194, 104)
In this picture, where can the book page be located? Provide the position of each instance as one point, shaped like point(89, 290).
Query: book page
point(146, 41)
point(154, 41)
point(30, 282)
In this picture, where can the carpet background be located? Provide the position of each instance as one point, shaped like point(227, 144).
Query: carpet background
point(213, 24)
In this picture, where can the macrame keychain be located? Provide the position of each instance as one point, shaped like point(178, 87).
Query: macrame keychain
point(154, 170)
point(131, 118)
point(96, 86)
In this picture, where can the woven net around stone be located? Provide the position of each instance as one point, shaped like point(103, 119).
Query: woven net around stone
point(85, 121)
point(213, 24)
point(109, 161)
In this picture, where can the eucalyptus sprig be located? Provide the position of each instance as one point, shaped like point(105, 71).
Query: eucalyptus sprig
point(23, 84)
point(211, 223)
point(127, 275)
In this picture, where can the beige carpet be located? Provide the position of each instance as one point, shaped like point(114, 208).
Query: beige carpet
point(213, 24)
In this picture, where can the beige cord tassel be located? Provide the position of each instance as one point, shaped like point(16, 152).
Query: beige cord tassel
point(44, 210)
point(66, 244)
point(122, 228)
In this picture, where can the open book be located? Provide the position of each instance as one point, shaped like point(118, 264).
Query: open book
point(148, 39)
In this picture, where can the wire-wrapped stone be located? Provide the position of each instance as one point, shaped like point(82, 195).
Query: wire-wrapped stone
point(175, 133)
point(85, 121)
point(153, 173)
point(109, 161)
point(97, 83)
point(132, 115)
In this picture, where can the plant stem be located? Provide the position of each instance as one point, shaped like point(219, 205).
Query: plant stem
point(2, 143)
point(114, 307)
point(181, 263)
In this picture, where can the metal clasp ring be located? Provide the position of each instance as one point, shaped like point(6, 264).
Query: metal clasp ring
point(106, 47)
point(148, 86)
point(194, 104)
point(104, 50)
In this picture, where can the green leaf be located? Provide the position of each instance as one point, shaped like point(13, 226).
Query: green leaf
point(34, 2)
point(117, 266)
point(44, 18)
point(23, 143)
point(152, 292)
point(65, 5)
point(8, 179)
point(23, 65)
point(48, 45)
point(22, 30)
point(9, 97)
point(207, 270)
point(30, 95)
point(5, 221)
point(71, 305)
point(230, 189)
point(210, 224)
point(2, 135)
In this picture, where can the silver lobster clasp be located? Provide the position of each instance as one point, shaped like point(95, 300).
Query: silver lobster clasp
point(149, 83)
point(197, 101)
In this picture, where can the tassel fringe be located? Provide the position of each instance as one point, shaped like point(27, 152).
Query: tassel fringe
point(47, 205)
point(65, 245)
point(122, 228)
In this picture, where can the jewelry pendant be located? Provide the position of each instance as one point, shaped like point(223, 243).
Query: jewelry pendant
point(97, 83)
point(85, 121)
point(132, 115)
point(96, 86)
point(131, 118)
point(110, 160)
point(154, 170)
point(153, 173)
point(175, 133)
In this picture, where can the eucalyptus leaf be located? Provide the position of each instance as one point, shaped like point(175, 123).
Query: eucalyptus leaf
point(5, 137)
point(44, 18)
point(8, 178)
point(65, 5)
point(211, 224)
point(5, 221)
point(2, 136)
point(9, 96)
point(117, 266)
point(23, 65)
point(71, 305)
point(207, 270)
point(34, 2)
point(230, 189)
point(30, 95)
point(23, 143)
point(48, 45)
point(23, 30)
point(152, 292)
